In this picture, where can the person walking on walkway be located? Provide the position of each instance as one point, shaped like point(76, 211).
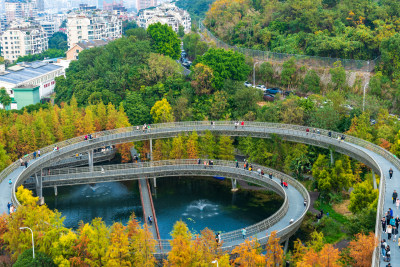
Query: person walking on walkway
point(383, 221)
point(390, 173)
point(383, 247)
point(38, 153)
point(397, 203)
point(237, 163)
point(307, 131)
point(394, 196)
point(34, 155)
point(389, 232)
point(387, 253)
point(391, 213)
point(270, 175)
point(242, 123)
point(9, 207)
point(244, 233)
point(9, 181)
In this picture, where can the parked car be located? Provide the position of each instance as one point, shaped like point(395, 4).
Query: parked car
point(273, 91)
point(247, 84)
point(187, 64)
point(348, 107)
point(269, 98)
point(261, 87)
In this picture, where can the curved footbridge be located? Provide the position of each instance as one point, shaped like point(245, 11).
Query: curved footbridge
point(377, 158)
point(292, 209)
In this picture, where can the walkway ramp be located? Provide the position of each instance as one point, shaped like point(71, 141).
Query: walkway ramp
point(148, 207)
point(147, 203)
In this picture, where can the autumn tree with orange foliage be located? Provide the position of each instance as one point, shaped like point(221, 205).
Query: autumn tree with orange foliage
point(248, 255)
point(181, 253)
point(362, 248)
point(274, 251)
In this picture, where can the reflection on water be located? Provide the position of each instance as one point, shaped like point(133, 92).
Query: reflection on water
point(200, 202)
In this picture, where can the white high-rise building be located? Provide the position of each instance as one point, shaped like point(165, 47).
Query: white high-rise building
point(23, 39)
point(142, 4)
point(166, 13)
point(20, 9)
point(93, 26)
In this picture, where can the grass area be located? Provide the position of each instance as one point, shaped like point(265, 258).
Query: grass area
point(334, 226)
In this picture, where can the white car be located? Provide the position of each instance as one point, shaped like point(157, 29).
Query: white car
point(261, 87)
point(247, 84)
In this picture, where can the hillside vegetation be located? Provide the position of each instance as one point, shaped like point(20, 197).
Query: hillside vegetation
point(330, 28)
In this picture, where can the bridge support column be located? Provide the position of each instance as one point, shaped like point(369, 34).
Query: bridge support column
point(39, 187)
point(90, 158)
point(286, 245)
point(155, 182)
point(55, 190)
point(332, 160)
point(151, 153)
point(234, 185)
point(374, 180)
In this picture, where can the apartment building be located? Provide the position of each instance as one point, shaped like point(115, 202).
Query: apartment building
point(95, 25)
point(22, 39)
point(143, 4)
point(20, 9)
point(50, 27)
point(166, 13)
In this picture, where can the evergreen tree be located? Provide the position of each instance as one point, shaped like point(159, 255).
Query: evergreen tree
point(226, 150)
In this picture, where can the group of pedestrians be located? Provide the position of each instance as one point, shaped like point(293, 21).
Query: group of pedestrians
point(390, 226)
point(340, 138)
point(145, 128)
point(88, 137)
point(36, 154)
point(206, 163)
point(237, 124)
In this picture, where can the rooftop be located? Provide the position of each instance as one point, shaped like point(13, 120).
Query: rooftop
point(26, 72)
point(92, 43)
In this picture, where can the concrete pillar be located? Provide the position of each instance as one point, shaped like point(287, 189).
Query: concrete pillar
point(151, 150)
point(286, 245)
point(332, 160)
point(374, 180)
point(90, 158)
point(55, 190)
point(39, 187)
point(155, 182)
point(234, 185)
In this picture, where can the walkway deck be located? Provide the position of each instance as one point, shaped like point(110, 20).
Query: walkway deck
point(147, 206)
point(147, 203)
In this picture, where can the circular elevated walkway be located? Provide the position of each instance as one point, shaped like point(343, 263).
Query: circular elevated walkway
point(292, 209)
point(375, 157)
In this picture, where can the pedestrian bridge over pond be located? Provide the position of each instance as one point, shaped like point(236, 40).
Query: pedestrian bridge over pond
point(377, 158)
point(292, 209)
